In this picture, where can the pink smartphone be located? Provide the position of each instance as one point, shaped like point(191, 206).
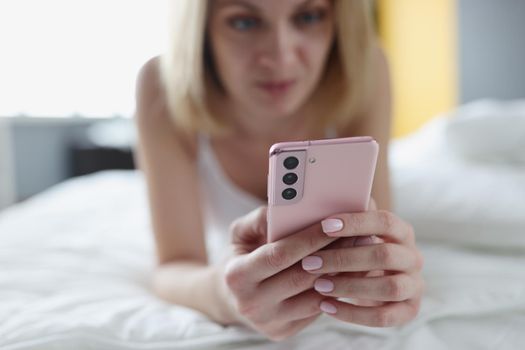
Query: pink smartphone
point(311, 180)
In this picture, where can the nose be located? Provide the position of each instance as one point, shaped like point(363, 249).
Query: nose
point(278, 48)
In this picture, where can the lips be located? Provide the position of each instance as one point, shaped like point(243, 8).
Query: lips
point(276, 88)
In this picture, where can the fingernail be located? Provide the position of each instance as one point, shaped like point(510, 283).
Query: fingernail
point(332, 225)
point(364, 240)
point(312, 263)
point(322, 285)
point(328, 308)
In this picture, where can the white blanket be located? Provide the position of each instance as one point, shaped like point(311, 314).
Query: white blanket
point(75, 264)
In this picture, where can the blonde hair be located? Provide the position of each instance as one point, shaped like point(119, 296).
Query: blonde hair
point(188, 74)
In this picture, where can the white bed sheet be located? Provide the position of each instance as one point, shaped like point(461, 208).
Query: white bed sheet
point(75, 263)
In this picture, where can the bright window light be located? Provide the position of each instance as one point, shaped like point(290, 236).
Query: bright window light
point(62, 58)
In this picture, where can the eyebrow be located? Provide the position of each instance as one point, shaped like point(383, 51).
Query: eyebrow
point(255, 8)
point(304, 4)
point(238, 2)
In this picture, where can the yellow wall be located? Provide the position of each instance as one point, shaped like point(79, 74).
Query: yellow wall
point(419, 37)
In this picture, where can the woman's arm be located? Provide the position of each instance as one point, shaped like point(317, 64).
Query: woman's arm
point(375, 121)
point(165, 157)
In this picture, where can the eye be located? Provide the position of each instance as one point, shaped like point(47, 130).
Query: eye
point(309, 17)
point(244, 23)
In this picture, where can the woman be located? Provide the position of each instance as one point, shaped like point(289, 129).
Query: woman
point(239, 76)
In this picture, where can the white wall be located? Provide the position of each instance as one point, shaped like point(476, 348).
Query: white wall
point(491, 49)
point(7, 179)
point(40, 149)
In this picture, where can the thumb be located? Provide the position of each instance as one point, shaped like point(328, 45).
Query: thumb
point(248, 232)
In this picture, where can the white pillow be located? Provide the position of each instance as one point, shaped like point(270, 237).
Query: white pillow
point(489, 130)
point(451, 200)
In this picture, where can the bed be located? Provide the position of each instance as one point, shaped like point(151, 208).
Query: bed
point(75, 263)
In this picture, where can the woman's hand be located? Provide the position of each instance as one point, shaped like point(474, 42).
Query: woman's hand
point(263, 285)
point(398, 290)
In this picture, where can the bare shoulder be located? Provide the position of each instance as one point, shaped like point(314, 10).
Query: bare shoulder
point(374, 110)
point(379, 57)
point(374, 119)
point(167, 157)
point(377, 103)
point(151, 105)
point(148, 85)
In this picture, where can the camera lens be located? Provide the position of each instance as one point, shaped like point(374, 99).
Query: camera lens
point(291, 163)
point(289, 193)
point(290, 178)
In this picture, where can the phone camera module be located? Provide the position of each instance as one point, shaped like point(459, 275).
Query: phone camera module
point(290, 178)
point(289, 193)
point(291, 163)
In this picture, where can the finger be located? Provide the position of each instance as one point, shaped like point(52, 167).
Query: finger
point(381, 222)
point(292, 328)
point(301, 306)
point(249, 231)
point(373, 273)
point(398, 287)
point(285, 284)
point(386, 315)
point(274, 257)
point(385, 256)
point(362, 302)
point(298, 325)
point(347, 242)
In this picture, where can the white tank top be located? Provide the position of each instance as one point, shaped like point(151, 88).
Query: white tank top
point(222, 200)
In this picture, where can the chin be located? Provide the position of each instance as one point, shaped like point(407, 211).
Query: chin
point(279, 112)
point(280, 109)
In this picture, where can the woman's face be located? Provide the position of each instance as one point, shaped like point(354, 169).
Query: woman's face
point(270, 54)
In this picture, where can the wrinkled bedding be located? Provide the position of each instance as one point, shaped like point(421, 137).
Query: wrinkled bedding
point(75, 263)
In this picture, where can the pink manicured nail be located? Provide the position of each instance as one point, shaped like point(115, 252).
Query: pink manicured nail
point(312, 263)
point(331, 225)
point(327, 307)
point(324, 286)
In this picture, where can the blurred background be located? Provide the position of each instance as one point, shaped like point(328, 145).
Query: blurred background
point(68, 70)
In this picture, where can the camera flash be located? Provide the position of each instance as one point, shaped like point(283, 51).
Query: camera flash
point(311, 160)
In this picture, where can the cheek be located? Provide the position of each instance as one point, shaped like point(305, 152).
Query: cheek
point(317, 49)
point(230, 60)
